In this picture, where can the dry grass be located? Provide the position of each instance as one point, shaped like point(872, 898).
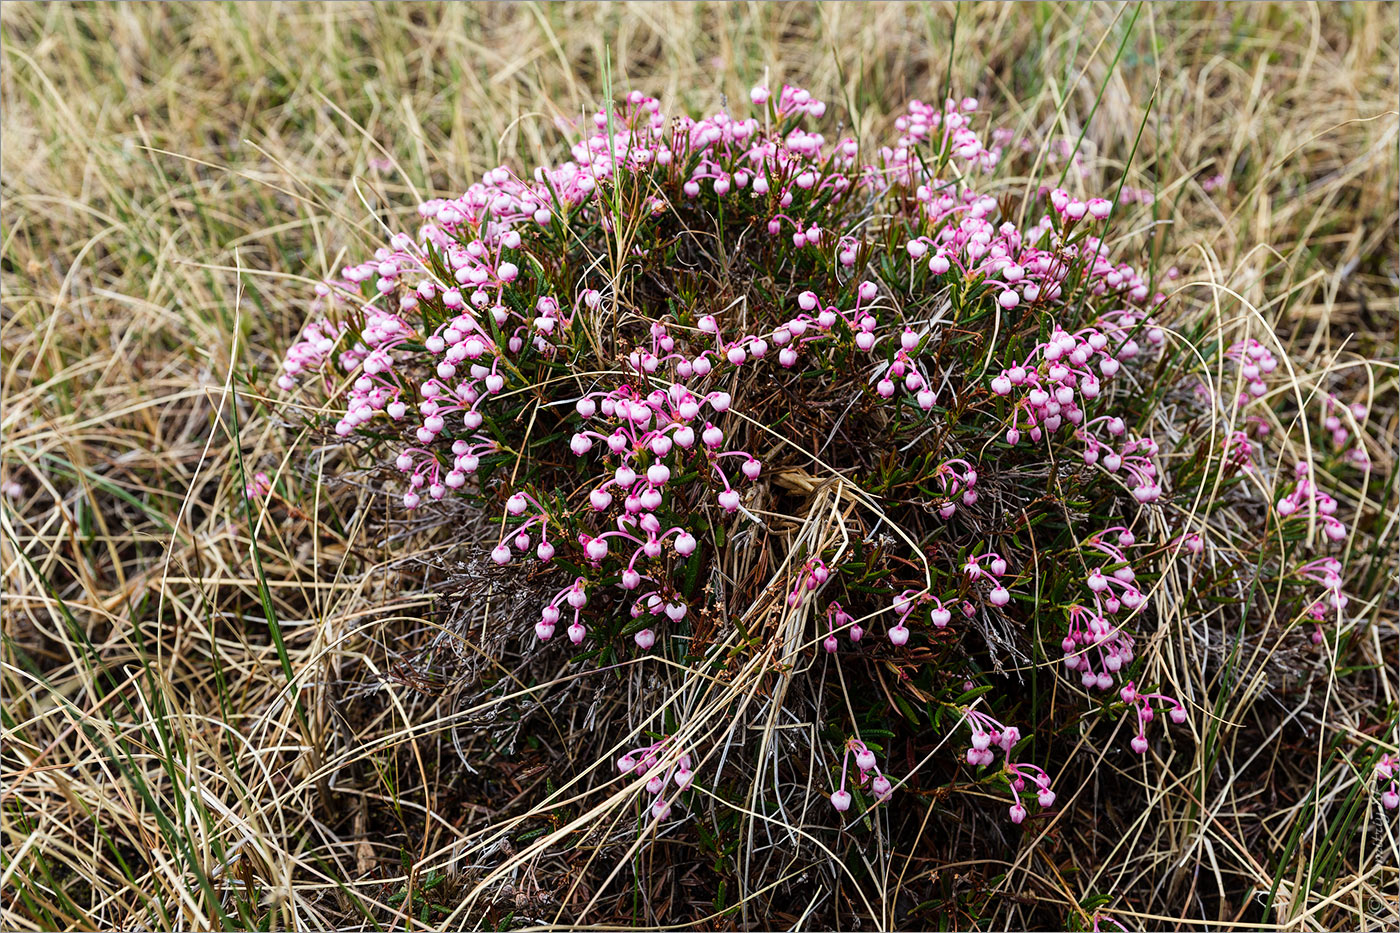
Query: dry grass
point(202, 733)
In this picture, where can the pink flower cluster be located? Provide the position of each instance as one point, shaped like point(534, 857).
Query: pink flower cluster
point(1097, 646)
point(989, 568)
point(906, 603)
point(810, 577)
point(1385, 771)
point(1254, 361)
point(426, 472)
point(1239, 450)
point(663, 768)
point(868, 771)
point(949, 130)
point(1341, 436)
point(1031, 266)
point(1058, 378)
point(1142, 703)
point(257, 487)
point(1306, 502)
point(838, 619)
point(1306, 499)
point(645, 441)
point(1212, 182)
point(987, 734)
point(953, 477)
point(1326, 572)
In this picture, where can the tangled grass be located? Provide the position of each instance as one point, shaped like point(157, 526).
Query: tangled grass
point(308, 709)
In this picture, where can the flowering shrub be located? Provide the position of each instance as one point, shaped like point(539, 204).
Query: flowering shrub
point(641, 363)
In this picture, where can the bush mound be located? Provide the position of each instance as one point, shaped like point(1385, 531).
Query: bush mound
point(852, 510)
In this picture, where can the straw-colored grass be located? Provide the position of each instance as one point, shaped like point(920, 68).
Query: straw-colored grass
point(212, 715)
